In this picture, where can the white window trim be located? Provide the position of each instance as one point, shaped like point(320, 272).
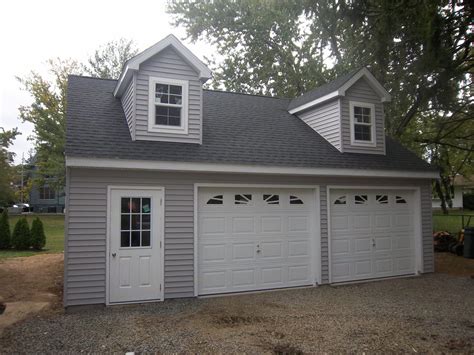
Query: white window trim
point(372, 142)
point(152, 127)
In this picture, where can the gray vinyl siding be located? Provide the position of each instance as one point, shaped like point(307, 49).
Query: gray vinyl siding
point(85, 260)
point(128, 104)
point(362, 92)
point(168, 64)
point(325, 119)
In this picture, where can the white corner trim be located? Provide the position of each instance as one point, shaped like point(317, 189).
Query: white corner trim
point(152, 127)
point(170, 40)
point(364, 72)
point(239, 168)
point(354, 142)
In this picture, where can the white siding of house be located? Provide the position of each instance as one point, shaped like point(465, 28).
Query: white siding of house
point(362, 92)
point(168, 64)
point(326, 120)
point(85, 259)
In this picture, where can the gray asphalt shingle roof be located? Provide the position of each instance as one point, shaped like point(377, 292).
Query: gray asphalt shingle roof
point(237, 129)
point(322, 90)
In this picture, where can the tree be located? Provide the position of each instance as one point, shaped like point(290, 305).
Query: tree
point(47, 112)
point(21, 237)
point(6, 169)
point(421, 51)
point(5, 234)
point(108, 60)
point(38, 238)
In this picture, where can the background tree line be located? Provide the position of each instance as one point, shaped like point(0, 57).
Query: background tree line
point(421, 52)
point(47, 113)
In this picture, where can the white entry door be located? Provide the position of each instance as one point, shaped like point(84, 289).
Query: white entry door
point(135, 245)
point(372, 234)
point(254, 239)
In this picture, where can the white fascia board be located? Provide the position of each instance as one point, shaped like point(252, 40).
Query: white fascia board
point(239, 168)
point(314, 102)
point(373, 82)
point(134, 63)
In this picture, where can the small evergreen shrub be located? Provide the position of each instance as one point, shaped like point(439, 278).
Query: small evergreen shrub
point(5, 233)
point(21, 238)
point(38, 239)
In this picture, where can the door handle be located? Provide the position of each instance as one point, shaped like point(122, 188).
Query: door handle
point(114, 255)
point(373, 242)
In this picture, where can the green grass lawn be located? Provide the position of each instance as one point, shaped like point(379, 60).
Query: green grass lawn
point(451, 222)
point(54, 230)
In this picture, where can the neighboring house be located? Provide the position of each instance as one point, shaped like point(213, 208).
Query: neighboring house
point(461, 185)
point(176, 191)
point(45, 199)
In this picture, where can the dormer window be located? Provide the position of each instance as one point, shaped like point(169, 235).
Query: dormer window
point(362, 123)
point(168, 105)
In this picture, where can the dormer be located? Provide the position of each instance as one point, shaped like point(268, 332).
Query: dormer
point(348, 112)
point(161, 93)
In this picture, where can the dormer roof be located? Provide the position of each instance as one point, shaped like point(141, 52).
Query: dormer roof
point(133, 64)
point(336, 88)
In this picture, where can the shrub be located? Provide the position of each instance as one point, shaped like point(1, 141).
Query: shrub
point(468, 201)
point(21, 238)
point(5, 234)
point(38, 239)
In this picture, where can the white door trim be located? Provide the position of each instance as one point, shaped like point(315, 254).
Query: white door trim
point(110, 188)
point(316, 226)
point(417, 219)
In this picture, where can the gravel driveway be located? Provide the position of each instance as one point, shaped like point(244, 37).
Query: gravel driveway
point(425, 314)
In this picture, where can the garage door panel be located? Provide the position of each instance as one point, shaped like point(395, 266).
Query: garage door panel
point(212, 225)
point(297, 248)
point(243, 278)
point(372, 234)
point(362, 245)
point(298, 224)
point(270, 224)
point(272, 276)
point(361, 222)
point(266, 245)
point(212, 253)
point(363, 268)
point(298, 273)
point(340, 223)
point(341, 247)
point(242, 251)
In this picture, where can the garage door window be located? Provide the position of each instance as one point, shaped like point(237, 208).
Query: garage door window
point(361, 199)
point(341, 200)
point(271, 199)
point(400, 199)
point(243, 199)
point(382, 199)
point(294, 200)
point(216, 200)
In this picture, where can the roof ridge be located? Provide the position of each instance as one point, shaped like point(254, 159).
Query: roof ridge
point(90, 77)
point(243, 93)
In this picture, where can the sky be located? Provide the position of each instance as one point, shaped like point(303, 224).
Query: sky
point(32, 31)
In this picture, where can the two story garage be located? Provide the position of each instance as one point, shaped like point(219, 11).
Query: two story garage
point(178, 191)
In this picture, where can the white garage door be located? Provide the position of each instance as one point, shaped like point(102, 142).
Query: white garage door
point(372, 234)
point(254, 239)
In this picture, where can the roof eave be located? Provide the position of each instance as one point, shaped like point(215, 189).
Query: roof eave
point(341, 91)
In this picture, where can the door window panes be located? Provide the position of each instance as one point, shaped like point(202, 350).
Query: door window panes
point(135, 222)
